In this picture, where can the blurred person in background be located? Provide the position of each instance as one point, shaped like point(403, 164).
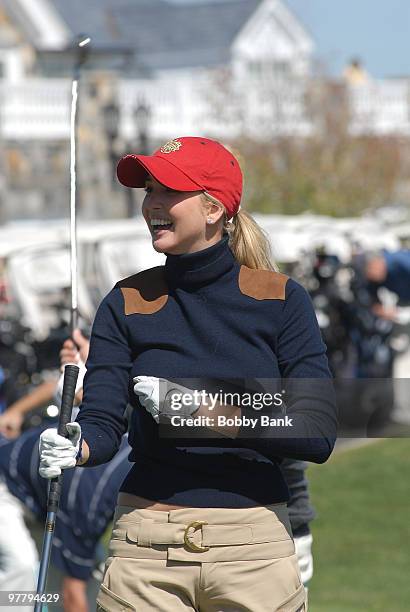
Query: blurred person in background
point(18, 552)
point(86, 506)
point(154, 324)
point(354, 73)
point(12, 418)
point(86, 509)
point(391, 270)
point(301, 514)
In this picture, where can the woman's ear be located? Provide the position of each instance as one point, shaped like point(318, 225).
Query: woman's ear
point(215, 212)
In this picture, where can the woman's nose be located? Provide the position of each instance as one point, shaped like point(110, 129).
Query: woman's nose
point(152, 203)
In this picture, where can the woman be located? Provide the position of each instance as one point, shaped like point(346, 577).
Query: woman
point(201, 524)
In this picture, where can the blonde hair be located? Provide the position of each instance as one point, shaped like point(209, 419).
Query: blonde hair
point(248, 241)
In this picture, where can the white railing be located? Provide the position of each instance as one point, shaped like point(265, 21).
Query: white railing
point(39, 109)
point(177, 107)
point(36, 109)
point(381, 107)
point(192, 106)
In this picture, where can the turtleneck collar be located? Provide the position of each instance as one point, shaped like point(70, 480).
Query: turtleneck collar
point(190, 270)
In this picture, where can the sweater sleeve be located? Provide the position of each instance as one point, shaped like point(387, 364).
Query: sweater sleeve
point(301, 511)
point(309, 392)
point(106, 383)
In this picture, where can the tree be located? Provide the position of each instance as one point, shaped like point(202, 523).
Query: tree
point(329, 170)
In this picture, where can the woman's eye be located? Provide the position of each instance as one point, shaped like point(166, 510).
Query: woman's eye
point(150, 190)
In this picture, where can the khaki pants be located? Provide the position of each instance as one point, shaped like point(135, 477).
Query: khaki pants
point(206, 559)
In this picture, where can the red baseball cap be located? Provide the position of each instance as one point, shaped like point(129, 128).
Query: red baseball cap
point(188, 163)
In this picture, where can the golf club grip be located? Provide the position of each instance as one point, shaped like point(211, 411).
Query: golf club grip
point(70, 380)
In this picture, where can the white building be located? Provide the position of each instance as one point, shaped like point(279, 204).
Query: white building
point(225, 62)
point(210, 67)
point(219, 67)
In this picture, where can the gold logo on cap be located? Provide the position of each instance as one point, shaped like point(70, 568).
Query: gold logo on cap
point(171, 146)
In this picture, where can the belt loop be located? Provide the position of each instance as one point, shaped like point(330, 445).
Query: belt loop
point(144, 534)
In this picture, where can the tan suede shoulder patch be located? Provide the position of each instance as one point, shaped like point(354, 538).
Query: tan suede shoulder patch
point(262, 284)
point(145, 292)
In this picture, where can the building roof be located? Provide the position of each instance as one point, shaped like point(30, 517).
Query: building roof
point(163, 35)
point(153, 35)
point(96, 18)
point(186, 35)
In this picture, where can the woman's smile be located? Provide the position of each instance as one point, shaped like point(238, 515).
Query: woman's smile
point(159, 226)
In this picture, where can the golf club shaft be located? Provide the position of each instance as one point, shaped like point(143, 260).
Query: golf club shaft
point(73, 198)
point(82, 49)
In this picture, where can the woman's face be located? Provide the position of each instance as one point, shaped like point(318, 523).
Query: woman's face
point(187, 214)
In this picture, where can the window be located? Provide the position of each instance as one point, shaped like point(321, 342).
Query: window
point(269, 68)
point(282, 69)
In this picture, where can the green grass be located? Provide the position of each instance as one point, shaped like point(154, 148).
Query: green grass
point(362, 531)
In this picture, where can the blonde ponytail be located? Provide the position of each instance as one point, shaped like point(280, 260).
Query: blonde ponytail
point(248, 241)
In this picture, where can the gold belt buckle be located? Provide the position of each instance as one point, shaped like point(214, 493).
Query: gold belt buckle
point(192, 545)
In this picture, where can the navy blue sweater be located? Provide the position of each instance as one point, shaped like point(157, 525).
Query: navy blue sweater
point(203, 315)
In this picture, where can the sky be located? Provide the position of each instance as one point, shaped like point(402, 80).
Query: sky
point(377, 31)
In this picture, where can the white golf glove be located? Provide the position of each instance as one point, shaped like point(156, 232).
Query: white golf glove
point(58, 453)
point(161, 396)
point(303, 546)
